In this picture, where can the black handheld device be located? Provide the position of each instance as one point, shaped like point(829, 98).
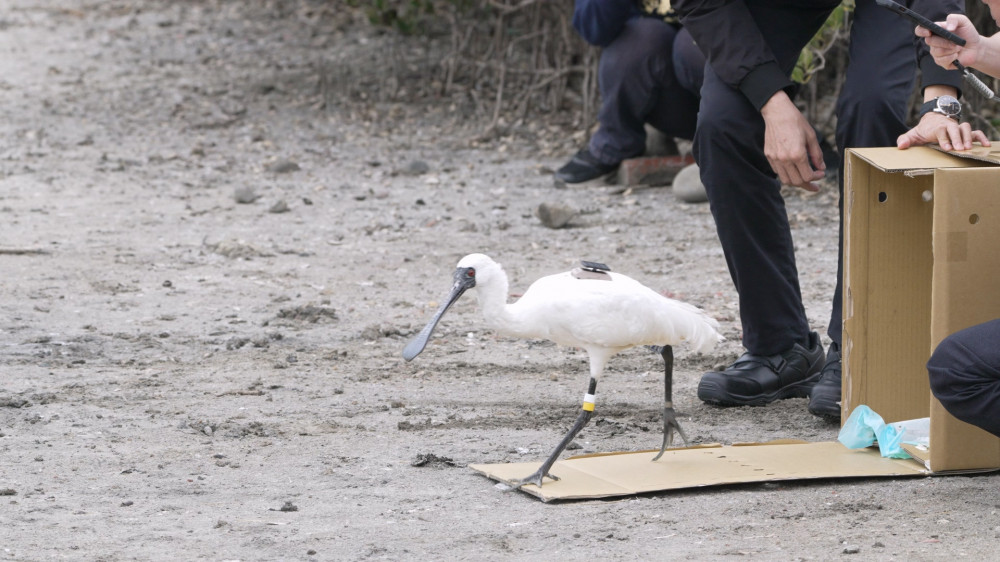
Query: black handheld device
point(921, 21)
point(936, 29)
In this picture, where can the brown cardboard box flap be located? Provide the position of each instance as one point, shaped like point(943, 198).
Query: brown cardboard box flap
point(621, 474)
point(925, 159)
point(990, 154)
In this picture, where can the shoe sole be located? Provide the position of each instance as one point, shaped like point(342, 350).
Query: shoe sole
point(602, 179)
point(711, 393)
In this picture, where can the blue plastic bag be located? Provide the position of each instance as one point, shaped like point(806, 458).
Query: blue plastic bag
point(864, 427)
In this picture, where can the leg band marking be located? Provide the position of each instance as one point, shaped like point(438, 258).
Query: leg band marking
point(588, 402)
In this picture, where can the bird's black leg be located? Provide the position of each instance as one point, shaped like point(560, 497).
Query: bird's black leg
point(581, 421)
point(669, 418)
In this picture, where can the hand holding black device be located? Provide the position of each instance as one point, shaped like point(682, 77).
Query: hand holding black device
point(921, 21)
point(936, 29)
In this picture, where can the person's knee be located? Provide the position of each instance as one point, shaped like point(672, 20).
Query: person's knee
point(642, 41)
point(944, 362)
point(940, 376)
point(689, 62)
point(726, 126)
point(962, 371)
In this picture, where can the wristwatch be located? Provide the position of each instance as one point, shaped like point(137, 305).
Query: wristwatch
point(945, 105)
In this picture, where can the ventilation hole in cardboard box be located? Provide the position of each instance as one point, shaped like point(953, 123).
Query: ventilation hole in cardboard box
point(927, 196)
point(973, 218)
point(882, 196)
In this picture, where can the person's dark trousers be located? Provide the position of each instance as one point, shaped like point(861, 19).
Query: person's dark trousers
point(639, 85)
point(745, 195)
point(871, 109)
point(965, 375)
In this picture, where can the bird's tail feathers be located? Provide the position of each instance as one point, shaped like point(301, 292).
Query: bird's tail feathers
point(706, 335)
point(699, 330)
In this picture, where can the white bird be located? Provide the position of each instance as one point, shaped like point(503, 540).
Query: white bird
point(590, 308)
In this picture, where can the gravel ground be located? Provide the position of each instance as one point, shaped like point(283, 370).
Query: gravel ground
point(214, 251)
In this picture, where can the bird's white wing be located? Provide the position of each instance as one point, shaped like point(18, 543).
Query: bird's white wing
point(619, 313)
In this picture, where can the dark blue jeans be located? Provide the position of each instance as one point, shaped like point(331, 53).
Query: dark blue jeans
point(744, 192)
point(965, 375)
point(650, 73)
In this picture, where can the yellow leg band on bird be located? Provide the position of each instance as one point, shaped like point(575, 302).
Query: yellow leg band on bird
point(588, 402)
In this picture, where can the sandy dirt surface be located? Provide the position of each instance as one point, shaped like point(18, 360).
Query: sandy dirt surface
point(217, 233)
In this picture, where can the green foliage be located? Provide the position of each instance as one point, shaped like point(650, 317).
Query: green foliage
point(812, 59)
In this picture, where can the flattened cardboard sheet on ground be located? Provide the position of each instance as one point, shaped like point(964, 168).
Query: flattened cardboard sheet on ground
point(607, 475)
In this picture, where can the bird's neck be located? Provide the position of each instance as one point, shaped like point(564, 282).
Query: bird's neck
point(493, 303)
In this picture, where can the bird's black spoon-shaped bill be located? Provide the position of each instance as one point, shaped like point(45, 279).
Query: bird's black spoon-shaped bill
point(418, 343)
point(463, 281)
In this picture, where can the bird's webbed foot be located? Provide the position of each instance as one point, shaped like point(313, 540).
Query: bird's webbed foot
point(670, 425)
point(535, 479)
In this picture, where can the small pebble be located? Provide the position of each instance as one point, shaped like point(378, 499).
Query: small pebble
point(416, 168)
point(283, 167)
point(688, 187)
point(245, 195)
point(555, 215)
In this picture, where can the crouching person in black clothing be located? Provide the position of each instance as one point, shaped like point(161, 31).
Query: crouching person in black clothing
point(650, 72)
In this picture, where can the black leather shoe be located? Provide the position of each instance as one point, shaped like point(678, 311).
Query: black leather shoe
point(756, 380)
point(584, 166)
point(824, 400)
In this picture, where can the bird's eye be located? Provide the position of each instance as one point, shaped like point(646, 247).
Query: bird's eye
point(470, 272)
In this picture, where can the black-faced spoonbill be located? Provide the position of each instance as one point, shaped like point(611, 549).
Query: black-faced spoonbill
point(590, 308)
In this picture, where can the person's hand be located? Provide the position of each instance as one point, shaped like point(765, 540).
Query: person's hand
point(944, 51)
point(934, 127)
point(790, 144)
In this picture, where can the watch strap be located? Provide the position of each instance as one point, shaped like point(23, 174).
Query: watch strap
point(931, 105)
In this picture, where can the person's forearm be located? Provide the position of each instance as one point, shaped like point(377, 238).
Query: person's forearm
point(938, 90)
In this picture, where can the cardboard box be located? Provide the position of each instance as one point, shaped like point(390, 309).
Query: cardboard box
point(921, 261)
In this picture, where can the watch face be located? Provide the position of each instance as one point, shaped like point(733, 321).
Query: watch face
point(948, 105)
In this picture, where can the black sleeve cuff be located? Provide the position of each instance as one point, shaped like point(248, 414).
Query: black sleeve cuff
point(932, 75)
point(762, 83)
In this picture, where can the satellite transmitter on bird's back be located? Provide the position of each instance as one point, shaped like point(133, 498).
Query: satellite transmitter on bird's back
point(592, 270)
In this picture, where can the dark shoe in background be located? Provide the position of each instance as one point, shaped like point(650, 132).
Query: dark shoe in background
point(756, 380)
point(584, 166)
point(825, 397)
